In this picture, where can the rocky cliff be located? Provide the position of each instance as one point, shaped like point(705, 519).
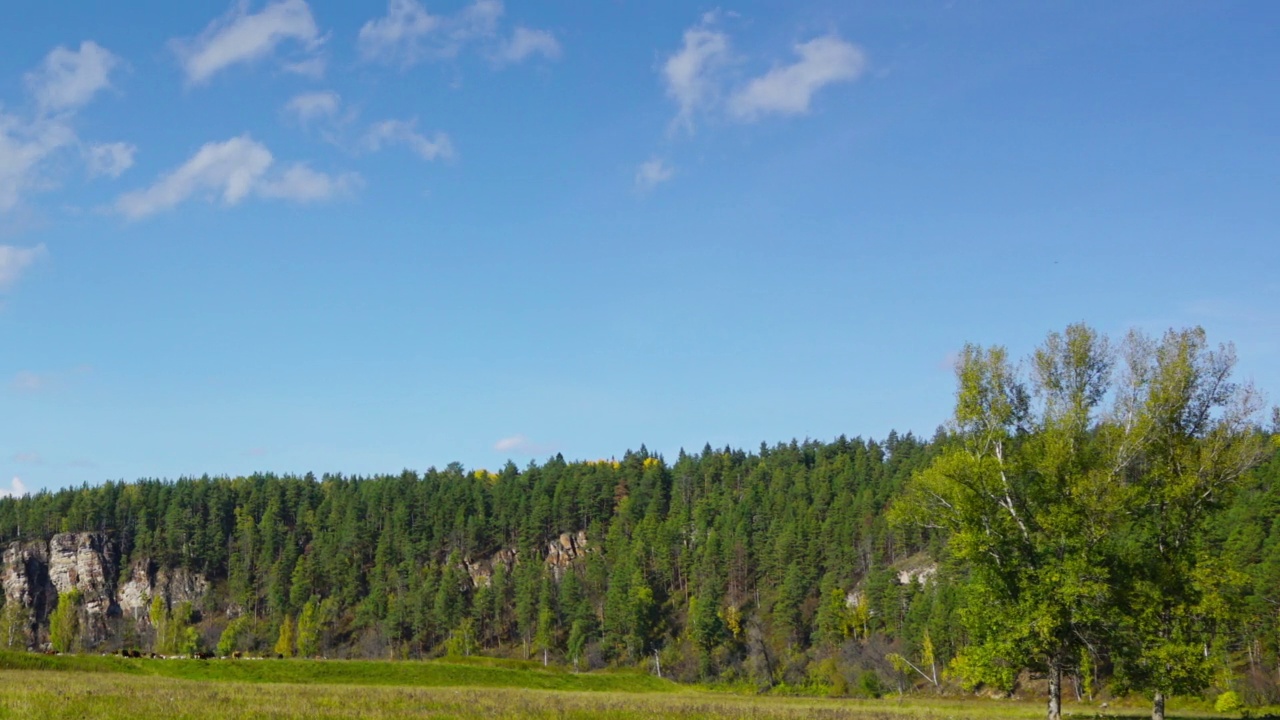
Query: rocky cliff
point(34, 573)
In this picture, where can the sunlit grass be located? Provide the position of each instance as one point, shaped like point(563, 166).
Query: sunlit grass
point(37, 686)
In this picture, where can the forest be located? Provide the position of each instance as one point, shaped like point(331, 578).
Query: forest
point(1099, 519)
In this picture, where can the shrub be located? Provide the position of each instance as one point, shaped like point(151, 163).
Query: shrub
point(1228, 701)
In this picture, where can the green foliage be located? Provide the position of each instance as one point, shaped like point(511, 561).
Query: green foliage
point(64, 622)
point(309, 630)
point(1031, 512)
point(1228, 702)
point(461, 642)
point(285, 646)
point(233, 636)
point(15, 625)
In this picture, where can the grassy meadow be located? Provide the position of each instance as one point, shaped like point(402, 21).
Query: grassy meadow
point(37, 686)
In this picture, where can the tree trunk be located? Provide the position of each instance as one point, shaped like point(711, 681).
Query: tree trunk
point(1055, 693)
point(1157, 706)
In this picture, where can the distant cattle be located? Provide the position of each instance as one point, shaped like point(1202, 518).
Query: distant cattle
point(236, 655)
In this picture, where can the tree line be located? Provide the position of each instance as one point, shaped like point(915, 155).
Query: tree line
point(1099, 516)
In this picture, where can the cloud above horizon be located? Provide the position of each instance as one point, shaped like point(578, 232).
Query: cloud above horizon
point(788, 90)
point(244, 37)
point(692, 74)
point(403, 132)
point(16, 488)
point(653, 172)
point(231, 171)
point(408, 34)
point(65, 81)
point(15, 260)
point(696, 77)
point(520, 444)
point(68, 79)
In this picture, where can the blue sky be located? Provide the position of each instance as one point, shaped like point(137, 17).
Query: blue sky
point(357, 237)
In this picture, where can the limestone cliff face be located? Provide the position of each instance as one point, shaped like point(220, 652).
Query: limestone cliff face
point(85, 562)
point(564, 550)
point(145, 582)
point(481, 571)
point(561, 554)
point(25, 574)
point(34, 574)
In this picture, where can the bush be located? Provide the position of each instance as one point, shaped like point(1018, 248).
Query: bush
point(1228, 701)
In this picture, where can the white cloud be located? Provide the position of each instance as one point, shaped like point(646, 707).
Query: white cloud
point(64, 82)
point(29, 382)
point(525, 43)
point(401, 132)
point(397, 36)
point(653, 173)
point(311, 67)
point(241, 36)
point(408, 34)
point(692, 73)
point(231, 170)
point(110, 159)
point(788, 90)
point(477, 20)
point(313, 106)
point(28, 458)
point(15, 260)
point(68, 79)
point(519, 444)
point(24, 147)
point(16, 488)
point(302, 184)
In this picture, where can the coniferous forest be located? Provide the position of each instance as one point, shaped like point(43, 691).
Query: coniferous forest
point(1101, 518)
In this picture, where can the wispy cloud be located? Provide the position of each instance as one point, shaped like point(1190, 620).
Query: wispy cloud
point(397, 37)
point(408, 35)
point(68, 79)
point(16, 488)
point(30, 382)
point(302, 184)
point(697, 77)
point(693, 73)
point(15, 260)
point(524, 43)
point(232, 171)
point(403, 132)
point(63, 83)
point(109, 159)
point(241, 37)
point(788, 90)
point(28, 458)
point(519, 444)
point(652, 173)
point(309, 107)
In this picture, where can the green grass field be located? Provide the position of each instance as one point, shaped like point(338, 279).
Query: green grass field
point(37, 686)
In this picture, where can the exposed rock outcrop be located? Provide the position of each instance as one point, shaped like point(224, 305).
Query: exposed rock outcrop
point(481, 571)
point(564, 550)
point(34, 574)
point(134, 595)
point(561, 553)
point(25, 574)
point(146, 582)
point(85, 562)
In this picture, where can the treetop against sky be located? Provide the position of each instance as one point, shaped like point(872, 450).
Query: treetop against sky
point(294, 235)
